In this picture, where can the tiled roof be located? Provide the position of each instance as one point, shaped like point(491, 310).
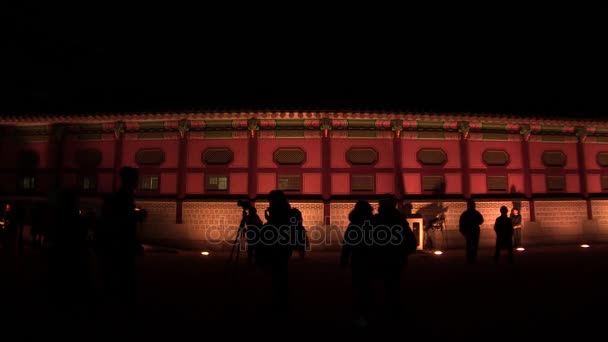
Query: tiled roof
point(210, 115)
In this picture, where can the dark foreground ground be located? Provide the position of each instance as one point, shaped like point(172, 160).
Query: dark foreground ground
point(550, 292)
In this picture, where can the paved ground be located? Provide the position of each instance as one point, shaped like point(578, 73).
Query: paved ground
point(549, 292)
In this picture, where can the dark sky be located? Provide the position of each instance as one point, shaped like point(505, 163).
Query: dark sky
point(99, 59)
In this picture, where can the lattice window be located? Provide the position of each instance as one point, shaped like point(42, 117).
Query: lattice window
point(433, 183)
point(27, 160)
point(495, 157)
point(88, 158)
point(554, 158)
point(289, 182)
point(497, 183)
point(218, 156)
point(150, 157)
point(362, 156)
point(27, 183)
point(217, 183)
point(431, 157)
point(604, 182)
point(556, 183)
point(289, 156)
point(88, 183)
point(149, 183)
point(362, 183)
point(602, 159)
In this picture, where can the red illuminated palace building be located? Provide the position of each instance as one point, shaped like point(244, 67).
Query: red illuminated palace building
point(195, 166)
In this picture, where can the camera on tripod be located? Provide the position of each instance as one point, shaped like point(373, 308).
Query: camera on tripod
point(244, 203)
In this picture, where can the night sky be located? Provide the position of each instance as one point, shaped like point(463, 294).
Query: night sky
point(85, 60)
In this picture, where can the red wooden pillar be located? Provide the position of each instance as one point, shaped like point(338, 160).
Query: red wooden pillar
point(326, 170)
point(55, 147)
point(397, 126)
point(252, 176)
point(582, 168)
point(525, 155)
point(119, 130)
point(182, 127)
point(464, 159)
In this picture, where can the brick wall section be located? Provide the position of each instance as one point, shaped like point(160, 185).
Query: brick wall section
point(312, 212)
point(559, 221)
point(598, 230)
point(489, 209)
point(340, 211)
point(215, 222)
point(160, 223)
point(428, 210)
point(212, 222)
point(339, 220)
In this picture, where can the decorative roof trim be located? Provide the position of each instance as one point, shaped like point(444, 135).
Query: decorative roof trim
point(230, 121)
point(348, 115)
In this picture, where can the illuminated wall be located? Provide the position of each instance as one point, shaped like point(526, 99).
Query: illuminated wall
point(195, 166)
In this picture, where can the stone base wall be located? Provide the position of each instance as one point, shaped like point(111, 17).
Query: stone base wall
point(213, 224)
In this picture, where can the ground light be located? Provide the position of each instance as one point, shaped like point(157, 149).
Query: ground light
point(205, 253)
point(521, 249)
point(585, 246)
point(437, 252)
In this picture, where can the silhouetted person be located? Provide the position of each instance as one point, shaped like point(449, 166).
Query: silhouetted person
point(19, 221)
point(470, 220)
point(433, 216)
point(68, 253)
point(357, 251)
point(434, 227)
point(5, 217)
point(516, 220)
point(12, 218)
point(278, 239)
point(392, 241)
point(117, 240)
point(301, 243)
point(504, 234)
point(91, 223)
point(37, 228)
point(254, 225)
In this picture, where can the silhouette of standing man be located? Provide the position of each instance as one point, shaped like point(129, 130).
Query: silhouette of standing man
point(393, 241)
point(118, 239)
point(504, 234)
point(470, 220)
point(357, 250)
point(278, 239)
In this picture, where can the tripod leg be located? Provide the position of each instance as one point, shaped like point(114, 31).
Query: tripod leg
point(237, 245)
point(234, 243)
